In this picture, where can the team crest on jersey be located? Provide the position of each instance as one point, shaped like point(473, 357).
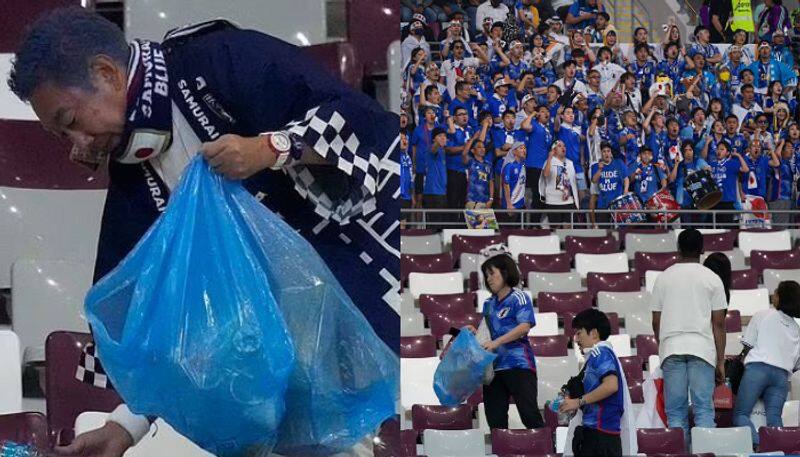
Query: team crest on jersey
point(503, 312)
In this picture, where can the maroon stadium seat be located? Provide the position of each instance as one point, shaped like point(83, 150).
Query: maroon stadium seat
point(408, 439)
point(441, 417)
point(561, 302)
point(441, 323)
point(546, 263)
point(632, 366)
point(527, 441)
point(719, 242)
point(340, 59)
point(473, 284)
point(612, 317)
point(471, 244)
point(779, 260)
point(66, 396)
point(476, 398)
point(646, 345)
point(413, 347)
point(448, 303)
point(733, 321)
point(25, 428)
point(786, 439)
point(660, 440)
point(590, 245)
point(656, 261)
point(388, 442)
point(424, 263)
point(549, 346)
point(744, 279)
point(636, 392)
point(506, 232)
point(612, 282)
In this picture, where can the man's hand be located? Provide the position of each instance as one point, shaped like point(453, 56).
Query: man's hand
point(236, 157)
point(719, 375)
point(568, 405)
point(490, 345)
point(111, 440)
point(472, 329)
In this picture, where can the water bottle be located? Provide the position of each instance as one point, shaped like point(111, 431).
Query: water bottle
point(555, 404)
point(12, 449)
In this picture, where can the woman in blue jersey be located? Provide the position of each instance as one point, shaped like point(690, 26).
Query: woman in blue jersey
point(509, 316)
point(726, 174)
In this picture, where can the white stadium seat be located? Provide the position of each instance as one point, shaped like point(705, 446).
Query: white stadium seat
point(791, 413)
point(639, 323)
point(733, 343)
point(601, 263)
point(549, 244)
point(546, 325)
point(47, 295)
point(764, 241)
point(621, 344)
point(736, 256)
point(413, 324)
point(561, 439)
point(650, 277)
point(10, 373)
point(749, 301)
point(425, 244)
point(794, 392)
point(653, 362)
point(722, 441)
point(416, 381)
point(451, 443)
point(514, 420)
point(650, 242)
point(554, 282)
point(552, 373)
point(447, 234)
point(623, 302)
point(774, 277)
point(435, 283)
point(564, 233)
point(468, 263)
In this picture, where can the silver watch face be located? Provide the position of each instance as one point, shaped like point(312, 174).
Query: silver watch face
point(281, 142)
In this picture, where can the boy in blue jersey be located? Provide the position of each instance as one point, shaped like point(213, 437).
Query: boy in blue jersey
point(406, 177)
point(754, 182)
point(779, 187)
point(540, 137)
point(434, 191)
point(514, 179)
point(647, 178)
point(458, 132)
point(630, 138)
point(610, 176)
point(480, 176)
point(572, 137)
point(726, 174)
point(420, 145)
point(603, 399)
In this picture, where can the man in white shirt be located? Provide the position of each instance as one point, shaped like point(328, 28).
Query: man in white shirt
point(569, 81)
point(415, 39)
point(689, 306)
point(494, 9)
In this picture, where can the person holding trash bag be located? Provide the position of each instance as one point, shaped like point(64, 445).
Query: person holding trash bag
point(509, 313)
point(318, 154)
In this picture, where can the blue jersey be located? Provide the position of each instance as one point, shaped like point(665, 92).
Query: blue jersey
point(659, 143)
point(500, 137)
point(674, 70)
point(455, 162)
point(421, 138)
point(648, 182)
point(644, 72)
point(631, 145)
point(480, 174)
point(726, 174)
point(581, 7)
point(543, 77)
point(514, 176)
point(738, 143)
point(606, 414)
point(571, 136)
point(514, 70)
point(780, 182)
point(496, 105)
point(754, 182)
point(436, 176)
point(538, 145)
point(612, 180)
point(516, 308)
point(406, 176)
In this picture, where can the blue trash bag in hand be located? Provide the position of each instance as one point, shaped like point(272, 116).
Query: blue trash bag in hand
point(460, 373)
point(187, 326)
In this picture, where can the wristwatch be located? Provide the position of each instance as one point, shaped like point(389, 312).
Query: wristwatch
point(581, 402)
point(282, 145)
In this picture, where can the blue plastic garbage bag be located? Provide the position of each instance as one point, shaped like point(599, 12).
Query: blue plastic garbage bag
point(460, 372)
point(329, 379)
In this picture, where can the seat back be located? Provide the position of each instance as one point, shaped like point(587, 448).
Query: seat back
point(442, 323)
point(435, 283)
point(621, 344)
point(552, 373)
point(650, 242)
point(413, 324)
point(470, 244)
point(546, 325)
point(47, 296)
point(424, 263)
point(554, 282)
point(416, 382)
point(650, 277)
point(744, 279)
point(526, 441)
point(720, 441)
point(601, 263)
point(632, 367)
point(25, 428)
point(773, 277)
point(464, 302)
point(10, 373)
point(749, 301)
point(784, 439)
point(420, 346)
point(548, 244)
point(462, 443)
point(549, 263)
point(660, 440)
point(423, 244)
point(440, 417)
point(646, 345)
point(736, 256)
point(623, 302)
point(447, 234)
point(655, 261)
point(560, 302)
point(639, 323)
point(786, 260)
point(612, 282)
point(764, 241)
point(549, 346)
point(591, 245)
point(67, 397)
